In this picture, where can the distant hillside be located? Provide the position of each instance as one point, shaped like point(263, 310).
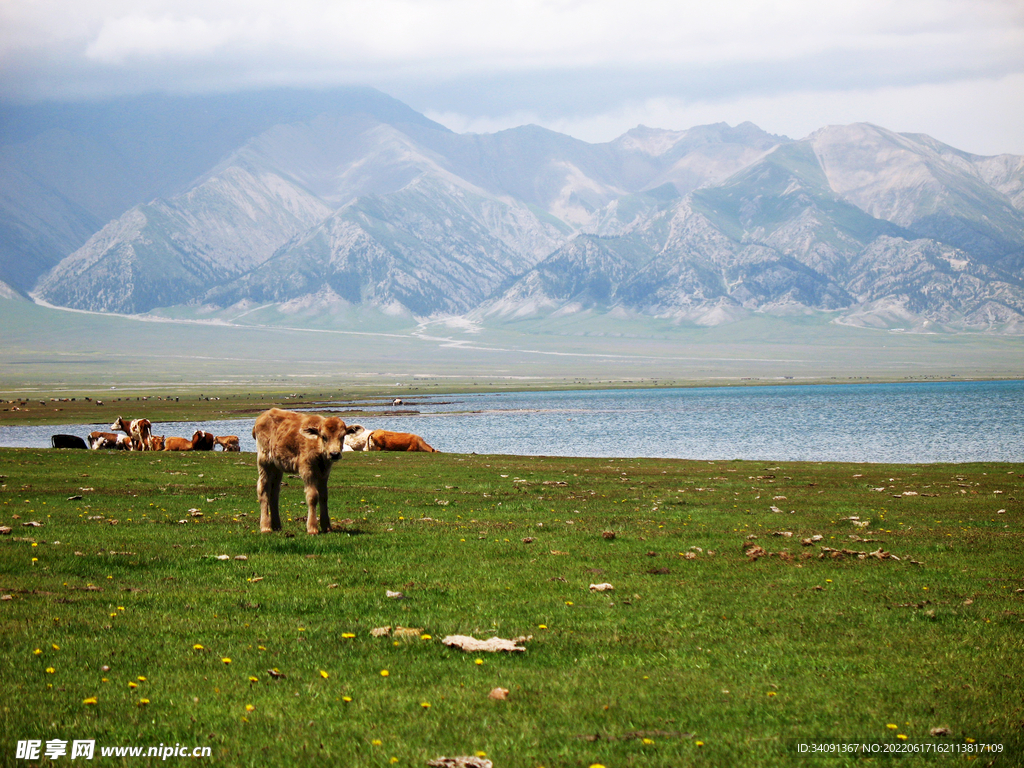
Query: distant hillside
point(348, 198)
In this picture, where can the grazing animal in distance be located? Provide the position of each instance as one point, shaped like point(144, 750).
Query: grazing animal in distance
point(228, 443)
point(301, 443)
point(139, 430)
point(356, 438)
point(67, 441)
point(383, 440)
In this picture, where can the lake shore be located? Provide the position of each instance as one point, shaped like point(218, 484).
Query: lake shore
point(953, 422)
point(43, 405)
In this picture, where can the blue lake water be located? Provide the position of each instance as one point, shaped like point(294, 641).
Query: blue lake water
point(911, 422)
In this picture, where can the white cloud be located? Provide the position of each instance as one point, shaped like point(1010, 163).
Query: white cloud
point(592, 68)
point(453, 35)
point(948, 112)
point(137, 36)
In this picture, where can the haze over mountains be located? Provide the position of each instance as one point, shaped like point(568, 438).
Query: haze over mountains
point(315, 203)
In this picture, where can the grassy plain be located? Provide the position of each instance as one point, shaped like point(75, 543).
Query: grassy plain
point(44, 350)
point(123, 625)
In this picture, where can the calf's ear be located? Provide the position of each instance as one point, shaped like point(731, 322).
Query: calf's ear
point(311, 432)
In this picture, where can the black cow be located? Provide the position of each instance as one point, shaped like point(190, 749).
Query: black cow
point(67, 441)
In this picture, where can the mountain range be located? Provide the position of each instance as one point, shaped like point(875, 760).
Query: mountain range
point(316, 202)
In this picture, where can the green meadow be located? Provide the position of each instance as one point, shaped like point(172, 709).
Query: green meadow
point(754, 608)
point(189, 350)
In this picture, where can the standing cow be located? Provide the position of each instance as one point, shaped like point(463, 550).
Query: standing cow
point(139, 430)
point(301, 443)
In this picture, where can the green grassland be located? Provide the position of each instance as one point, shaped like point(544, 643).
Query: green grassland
point(199, 351)
point(123, 626)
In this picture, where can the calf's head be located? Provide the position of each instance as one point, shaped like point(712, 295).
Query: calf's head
point(328, 433)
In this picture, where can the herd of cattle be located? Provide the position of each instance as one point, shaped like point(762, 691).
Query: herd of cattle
point(137, 435)
point(303, 444)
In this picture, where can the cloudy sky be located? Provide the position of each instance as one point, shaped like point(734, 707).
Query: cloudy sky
point(953, 69)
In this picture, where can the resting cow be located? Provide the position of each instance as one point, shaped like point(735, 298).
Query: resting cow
point(139, 430)
point(356, 438)
point(109, 440)
point(67, 441)
point(185, 444)
point(301, 443)
point(203, 441)
point(383, 440)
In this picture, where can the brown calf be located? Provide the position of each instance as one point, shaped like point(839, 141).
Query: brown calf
point(228, 443)
point(300, 443)
point(382, 440)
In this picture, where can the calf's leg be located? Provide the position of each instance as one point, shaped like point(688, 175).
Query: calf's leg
point(268, 489)
point(316, 499)
point(325, 518)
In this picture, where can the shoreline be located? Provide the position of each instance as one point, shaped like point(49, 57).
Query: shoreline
point(45, 406)
point(934, 422)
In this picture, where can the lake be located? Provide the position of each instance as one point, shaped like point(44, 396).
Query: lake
point(900, 423)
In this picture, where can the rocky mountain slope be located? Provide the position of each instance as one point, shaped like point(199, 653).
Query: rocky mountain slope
point(882, 229)
point(364, 202)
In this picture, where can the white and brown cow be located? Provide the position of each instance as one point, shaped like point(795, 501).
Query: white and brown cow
point(383, 440)
point(109, 440)
point(139, 430)
point(357, 438)
point(301, 443)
